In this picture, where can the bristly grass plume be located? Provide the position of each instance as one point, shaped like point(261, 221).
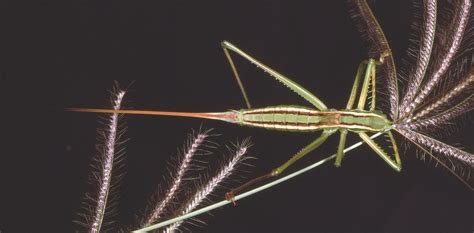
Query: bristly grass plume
point(107, 171)
point(194, 143)
point(438, 89)
point(440, 78)
point(440, 85)
point(187, 174)
point(207, 186)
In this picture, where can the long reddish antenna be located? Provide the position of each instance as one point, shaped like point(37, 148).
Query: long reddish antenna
point(230, 116)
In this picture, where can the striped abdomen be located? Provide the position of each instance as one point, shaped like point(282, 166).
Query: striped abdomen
point(301, 119)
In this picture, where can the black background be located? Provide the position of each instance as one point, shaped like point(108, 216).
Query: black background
point(58, 54)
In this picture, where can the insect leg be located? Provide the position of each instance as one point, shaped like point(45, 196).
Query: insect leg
point(236, 75)
point(369, 25)
point(301, 91)
point(395, 163)
point(340, 148)
point(315, 144)
point(355, 87)
point(277, 171)
point(369, 74)
point(350, 104)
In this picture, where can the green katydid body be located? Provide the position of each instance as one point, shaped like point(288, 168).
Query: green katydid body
point(302, 119)
point(283, 118)
point(299, 118)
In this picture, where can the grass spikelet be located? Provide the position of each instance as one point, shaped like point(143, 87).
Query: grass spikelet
point(191, 150)
point(208, 187)
point(105, 174)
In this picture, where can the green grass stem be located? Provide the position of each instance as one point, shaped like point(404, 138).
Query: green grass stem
point(250, 192)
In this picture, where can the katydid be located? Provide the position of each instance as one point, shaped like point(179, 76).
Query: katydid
point(302, 119)
point(407, 116)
